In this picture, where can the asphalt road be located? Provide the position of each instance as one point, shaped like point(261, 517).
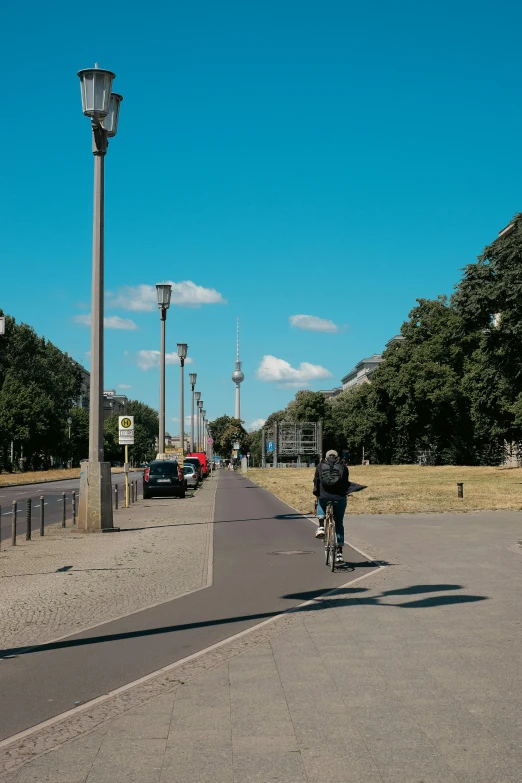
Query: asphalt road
point(53, 504)
point(253, 580)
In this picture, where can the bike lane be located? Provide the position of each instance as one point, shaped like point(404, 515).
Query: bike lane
point(265, 560)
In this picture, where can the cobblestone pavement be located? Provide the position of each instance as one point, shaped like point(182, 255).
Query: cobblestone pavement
point(411, 675)
point(59, 584)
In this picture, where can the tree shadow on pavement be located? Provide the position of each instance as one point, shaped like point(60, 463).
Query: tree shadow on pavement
point(342, 597)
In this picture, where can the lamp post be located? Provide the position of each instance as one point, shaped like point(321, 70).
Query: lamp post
point(102, 107)
point(182, 353)
point(163, 291)
point(192, 378)
point(200, 405)
point(204, 420)
point(69, 422)
point(197, 397)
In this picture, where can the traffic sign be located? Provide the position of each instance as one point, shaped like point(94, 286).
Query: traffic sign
point(270, 446)
point(126, 430)
point(210, 441)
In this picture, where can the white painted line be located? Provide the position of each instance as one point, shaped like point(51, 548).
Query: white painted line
point(100, 699)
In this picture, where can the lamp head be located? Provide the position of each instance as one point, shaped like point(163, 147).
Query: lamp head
point(110, 123)
point(95, 86)
point(163, 291)
point(192, 379)
point(182, 350)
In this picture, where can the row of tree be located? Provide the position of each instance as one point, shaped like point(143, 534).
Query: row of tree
point(451, 389)
point(39, 386)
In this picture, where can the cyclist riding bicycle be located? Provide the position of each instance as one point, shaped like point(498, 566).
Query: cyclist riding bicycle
point(331, 483)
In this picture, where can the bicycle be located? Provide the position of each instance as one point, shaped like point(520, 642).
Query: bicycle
point(330, 536)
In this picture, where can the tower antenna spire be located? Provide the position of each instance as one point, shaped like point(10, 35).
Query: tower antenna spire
point(238, 376)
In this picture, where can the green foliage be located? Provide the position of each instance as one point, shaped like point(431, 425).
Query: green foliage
point(225, 431)
point(38, 386)
point(146, 424)
point(452, 386)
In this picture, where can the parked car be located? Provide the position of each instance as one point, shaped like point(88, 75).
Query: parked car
point(163, 477)
point(191, 475)
point(202, 458)
point(194, 461)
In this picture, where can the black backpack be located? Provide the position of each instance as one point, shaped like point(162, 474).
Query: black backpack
point(331, 472)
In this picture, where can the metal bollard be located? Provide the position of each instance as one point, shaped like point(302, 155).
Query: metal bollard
point(74, 507)
point(116, 497)
point(64, 501)
point(460, 489)
point(28, 521)
point(42, 514)
point(13, 523)
point(137, 487)
point(135, 491)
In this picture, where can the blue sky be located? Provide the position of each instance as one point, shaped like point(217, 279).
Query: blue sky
point(330, 159)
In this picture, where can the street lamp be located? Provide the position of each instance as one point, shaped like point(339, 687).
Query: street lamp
point(197, 397)
point(204, 427)
point(200, 405)
point(192, 378)
point(182, 354)
point(163, 291)
point(102, 107)
point(69, 422)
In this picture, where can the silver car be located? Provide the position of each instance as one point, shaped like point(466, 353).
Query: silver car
point(191, 476)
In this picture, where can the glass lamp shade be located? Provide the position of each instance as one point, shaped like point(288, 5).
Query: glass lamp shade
point(95, 86)
point(200, 404)
point(110, 123)
point(197, 395)
point(182, 350)
point(164, 291)
point(192, 378)
point(69, 420)
point(204, 413)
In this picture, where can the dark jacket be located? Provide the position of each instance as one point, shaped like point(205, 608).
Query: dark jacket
point(337, 491)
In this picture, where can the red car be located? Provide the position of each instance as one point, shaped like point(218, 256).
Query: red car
point(203, 459)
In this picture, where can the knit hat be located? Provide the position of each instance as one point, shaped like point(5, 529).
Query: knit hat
point(331, 453)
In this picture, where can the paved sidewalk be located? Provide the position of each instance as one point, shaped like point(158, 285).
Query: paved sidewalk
point(67, 581)
point(411, 675)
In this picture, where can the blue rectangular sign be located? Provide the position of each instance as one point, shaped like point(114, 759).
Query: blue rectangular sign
point(270, 446)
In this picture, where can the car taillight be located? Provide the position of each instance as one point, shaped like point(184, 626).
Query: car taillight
point(146, 474)
point(180, 474)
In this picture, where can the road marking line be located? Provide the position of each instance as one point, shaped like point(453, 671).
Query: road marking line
point(117, 691)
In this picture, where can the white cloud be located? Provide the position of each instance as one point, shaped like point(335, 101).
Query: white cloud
point(311, 323)
point(147, 360)
point(110, 322)
point(187, 419)
point(124, 386)
point(273, 369)
point(143, 297)
point(256, 425)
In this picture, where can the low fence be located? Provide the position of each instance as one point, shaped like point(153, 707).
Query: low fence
point(34, 514)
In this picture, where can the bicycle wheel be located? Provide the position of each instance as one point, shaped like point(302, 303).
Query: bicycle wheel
point(331, 538)
point(333, 551)
point(327, 532)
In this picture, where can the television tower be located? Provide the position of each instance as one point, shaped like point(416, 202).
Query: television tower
point(238, 376)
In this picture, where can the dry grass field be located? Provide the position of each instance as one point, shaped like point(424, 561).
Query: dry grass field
point(396, 489)
point(13, 479)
